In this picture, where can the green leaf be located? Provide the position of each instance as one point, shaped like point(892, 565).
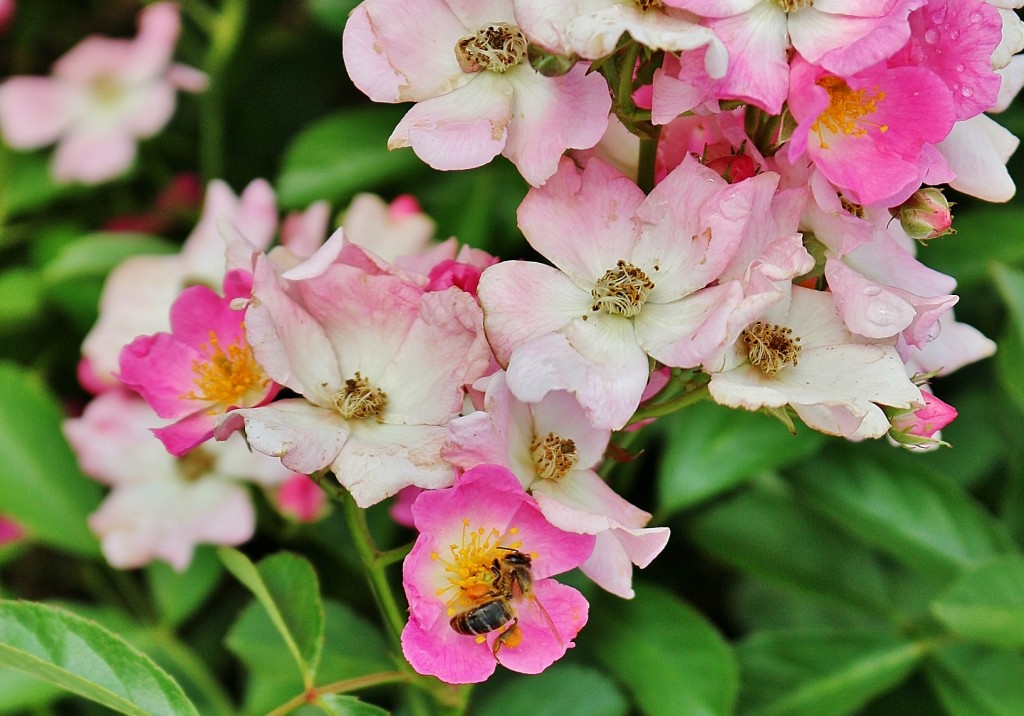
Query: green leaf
point(345, 705)
point(19, 691)
point(657, 645)
point(331, 14)
point(1008, 360)
point(710, 448)
point(352, 647)
point(772, 536)
point(980, 240)
point(29, 185)
point(97, 254)
point(21, 296)
point(83, 658)
point(987, 604)
point(821, 672)
point(561, 689)
point(976, 681)
point(179, 594)
point(43, 489)
point(287, 588)
point(343, 154)
point(920, 517)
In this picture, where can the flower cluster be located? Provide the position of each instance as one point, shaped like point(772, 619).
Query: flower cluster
point(729, 196)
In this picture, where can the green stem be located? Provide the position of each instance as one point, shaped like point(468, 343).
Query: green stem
point(670, 406)
point(225, 30)
point(646, 161)
point(382, 594)
point(340, 687)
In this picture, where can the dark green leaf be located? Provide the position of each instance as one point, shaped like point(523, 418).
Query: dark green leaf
point(656, 645)
point(980, 240)
point(287, 588)
point(331, 14)
point(352, 647)
point(820, 672)
point(83, 658)
point(97, 254)
point(976, 681)
point(29, 185)
point(562, 689)
point(43, 489)
point(772, 536)
point(341, 155)
point(920, 517)
point(710, 448)
point(987, 604)
point(179, 594)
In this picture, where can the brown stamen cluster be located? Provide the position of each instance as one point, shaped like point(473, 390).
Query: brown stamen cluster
point(498, 47)
point(771, 347)
point(646, 5)
point(794, 5)
point(622, 290)
point(553, 456)
point(195, 463)
point(358, 399)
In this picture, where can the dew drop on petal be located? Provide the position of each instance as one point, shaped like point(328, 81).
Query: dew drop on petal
point(967, 92)
point(871, 290)
point(882, 314)
point(975, 17)
point(959, 67)
point(931, 35)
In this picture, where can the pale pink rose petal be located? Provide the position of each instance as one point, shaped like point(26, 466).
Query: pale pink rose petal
point(583, 502)
point(582, 221)
point(379, 460)
point(462, 129)
point(615, 553)
point(522, 300)
point(689, 331)
point(92, 158)
point(34, 111)
point(977, 149)
point(159, 25)
point(159, 100)
point(305, 437)
point(552, 115)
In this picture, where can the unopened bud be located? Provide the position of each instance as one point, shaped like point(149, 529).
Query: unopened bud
point(548, 64)
point(917, 428)
point(734, 167)
point(925, 215)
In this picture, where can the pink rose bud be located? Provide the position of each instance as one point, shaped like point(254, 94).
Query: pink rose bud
point(926, 214)
point(915, 428)
point(734, 167)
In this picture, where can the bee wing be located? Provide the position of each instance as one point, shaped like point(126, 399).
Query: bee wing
point(535, 604)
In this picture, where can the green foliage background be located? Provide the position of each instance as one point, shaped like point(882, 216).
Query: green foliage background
point(805, 575)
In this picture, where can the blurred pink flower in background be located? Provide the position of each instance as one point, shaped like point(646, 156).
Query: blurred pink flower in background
point(7, 8)
point(103, 96)
point(10, 531)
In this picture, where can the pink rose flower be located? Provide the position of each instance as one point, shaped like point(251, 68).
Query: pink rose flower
point(105, 94)
point(465, 531)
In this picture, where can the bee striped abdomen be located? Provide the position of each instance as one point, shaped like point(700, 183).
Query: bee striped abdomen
point(484, 618)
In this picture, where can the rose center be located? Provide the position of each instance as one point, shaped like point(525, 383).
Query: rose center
point(195, 463)
point(771, 347)
point(553, 456)
point(794, 5)
point(646, 5)
point(224, 376)
point(468, 566)
point(622, 290)
point(497, 47)
point(358, 399)
point(846, 110)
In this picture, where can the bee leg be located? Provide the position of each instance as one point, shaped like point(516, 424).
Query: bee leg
point(511, 637)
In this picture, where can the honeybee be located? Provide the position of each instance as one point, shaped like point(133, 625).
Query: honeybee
point(512, 579)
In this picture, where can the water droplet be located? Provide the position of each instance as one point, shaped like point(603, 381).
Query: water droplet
point(883, 314)
point(939, 15)
point(960, 67)
point(956, 86)
point(954, 34)
point(967, 92)
point(975, 17)
point(871, 290)
point(931, 35)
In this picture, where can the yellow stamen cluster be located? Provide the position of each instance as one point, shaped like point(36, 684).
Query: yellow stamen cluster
point(622, 290)
point(106, 89)
point(553, 456)
point(846, 109)
point(468, 570)
point(794, 5)
point(358, 399)
point(770, 347)
point(498, 47)
point(224, 376)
